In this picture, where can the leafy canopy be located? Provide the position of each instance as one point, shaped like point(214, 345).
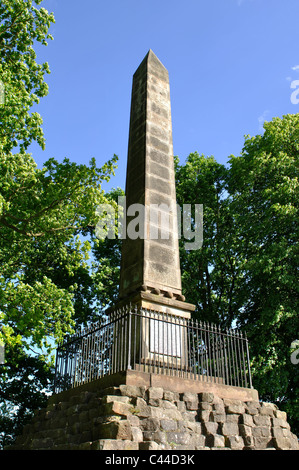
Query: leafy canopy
point(22, 25)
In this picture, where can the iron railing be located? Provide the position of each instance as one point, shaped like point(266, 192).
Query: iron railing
point(159, 343)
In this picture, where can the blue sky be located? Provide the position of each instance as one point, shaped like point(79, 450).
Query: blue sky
point(231, 65)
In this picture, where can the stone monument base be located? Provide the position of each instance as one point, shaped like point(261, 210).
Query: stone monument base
point(140, 411)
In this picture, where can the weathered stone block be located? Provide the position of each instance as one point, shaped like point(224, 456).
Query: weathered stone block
point(168, 405)
point(132, 391)
point(141, 408)
point(229, 429)
point(187, 415)
point(234, 406)
point(160, 413)
point(246, 419)
point(267, 409)
point(155, 392)
point(133, 420)
point(280, 414)
point(116, 430)
point(93, 413)
point(157, 436)
point(42, 443)
point(109, 391)
point(205, 406)
point(150, 445)
point(281, 443)
point(63, 405)
point(199, 441)
point(244, 430)
point(86, 396)
point(218, 417)
point(155, 402)
point(209, 428)
point(114, 398)
point(117, 408)
point(234, 442)
point(168, 425)
point(178, 438)
point(206, 397)
point(171, 396)
point(192, 405)
point(219, 408)
point(253, 407)
point(137, 435)
point(248, 441)
point(262, 420)
point(261, 431)
point(278, 432)
point(204, 415)
point(108, 444)
point(191, 426)
point(187, 396)
point(181, 405)
point(280, 422)
point(150, 424)
point(233, 418)
point(262, 442)
point(215, 440)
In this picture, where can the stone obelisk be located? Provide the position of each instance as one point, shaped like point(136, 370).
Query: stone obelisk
point(150, 266)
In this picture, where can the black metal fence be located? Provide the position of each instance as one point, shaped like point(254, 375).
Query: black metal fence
point(159, 343)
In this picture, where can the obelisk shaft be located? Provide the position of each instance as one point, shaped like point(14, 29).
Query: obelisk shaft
point(151, 262)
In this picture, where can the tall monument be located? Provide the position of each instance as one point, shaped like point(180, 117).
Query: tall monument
point(150, 266)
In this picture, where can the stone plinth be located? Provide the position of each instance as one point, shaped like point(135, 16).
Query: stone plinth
point(144, 417)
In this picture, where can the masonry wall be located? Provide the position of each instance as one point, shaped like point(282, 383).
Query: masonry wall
point(131, 417)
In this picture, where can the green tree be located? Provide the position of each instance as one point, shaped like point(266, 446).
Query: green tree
point(46, 217)
point(21, 26)
point(107, 258)
point(209, 274)
point(24, 388)
point(263, 184)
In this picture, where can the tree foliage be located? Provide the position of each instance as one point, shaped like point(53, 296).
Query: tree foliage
point(209, 275)
point(22, 25)
point(263, 185)
point(46, 216)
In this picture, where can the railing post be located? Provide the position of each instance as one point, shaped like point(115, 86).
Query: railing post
point(248, 362)
point(129, 341)
point(56, 369)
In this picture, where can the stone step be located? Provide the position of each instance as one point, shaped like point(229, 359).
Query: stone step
point(147, 418)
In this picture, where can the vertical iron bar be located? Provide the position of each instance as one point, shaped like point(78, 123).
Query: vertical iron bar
point(233, 358)
point(230, 357)
point(201, 374)
point(244, 383)
point(248, 362)
point(239, 343)
point(213, 362)
point(207, 349)
point(142, 323)
point(236, 358)
point(196, 352)
point(168, 340)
